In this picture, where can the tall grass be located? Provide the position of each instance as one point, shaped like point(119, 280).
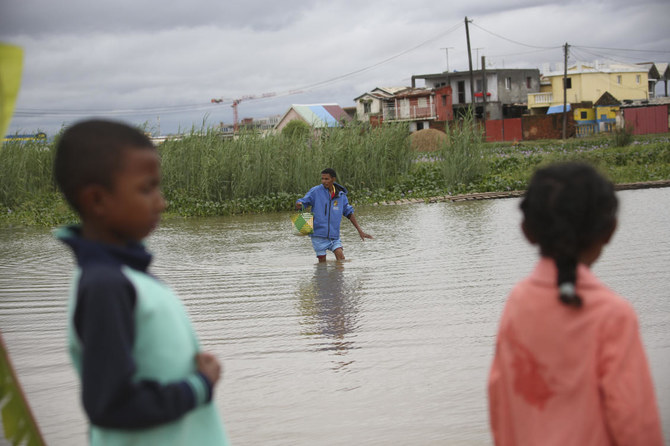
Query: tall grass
point(204, 174)
point(463, 159)
point(25, 171)
point(204, 166)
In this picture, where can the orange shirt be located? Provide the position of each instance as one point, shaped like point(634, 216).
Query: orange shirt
point(570, 376)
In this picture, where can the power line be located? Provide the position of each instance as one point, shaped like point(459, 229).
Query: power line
point(33, 112)
point(623, 49)
point(514, 41)
point(382, 62)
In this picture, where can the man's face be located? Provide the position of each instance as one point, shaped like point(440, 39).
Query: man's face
point(327, 180)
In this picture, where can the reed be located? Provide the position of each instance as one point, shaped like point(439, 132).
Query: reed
point(205, 175)
point(206, 167)
point(463, 154)
point(25, 171)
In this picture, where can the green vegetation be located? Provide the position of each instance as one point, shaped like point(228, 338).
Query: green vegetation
point(464, 154)
point(205, 175)
point(623, 137)
point(18, 423)
point(296, 129)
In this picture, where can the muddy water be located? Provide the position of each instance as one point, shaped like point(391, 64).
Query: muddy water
point(391, 346)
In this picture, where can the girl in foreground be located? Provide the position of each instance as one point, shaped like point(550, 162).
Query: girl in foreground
point(569, 366)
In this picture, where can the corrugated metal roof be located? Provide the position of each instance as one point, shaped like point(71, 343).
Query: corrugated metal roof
point(321, 115)
point(557, 109)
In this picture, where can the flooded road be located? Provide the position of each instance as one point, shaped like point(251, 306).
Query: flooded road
point(391, 346)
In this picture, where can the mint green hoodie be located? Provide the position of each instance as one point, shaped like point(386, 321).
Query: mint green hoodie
point(140, 385)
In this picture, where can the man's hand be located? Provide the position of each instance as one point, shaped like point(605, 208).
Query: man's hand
point(364, 235)
point(298, 206)
point(209, 366)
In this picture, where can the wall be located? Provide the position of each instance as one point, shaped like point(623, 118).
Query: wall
point(546, 126)
point(375, 107)
point(646, 120)
point(518, 93)
point(504, 130)
point(444, 109)
point(594, 85)
point(290, 116)
point(590, 114)
point(608, 111)
point(590, 86)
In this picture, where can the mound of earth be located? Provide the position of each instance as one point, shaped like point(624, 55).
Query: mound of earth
point(427, 140)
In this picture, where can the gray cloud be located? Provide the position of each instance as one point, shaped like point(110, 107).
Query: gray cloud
point(165, 62)
point(40, 17)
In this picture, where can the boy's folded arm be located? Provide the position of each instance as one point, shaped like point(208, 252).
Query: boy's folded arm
point(112, 398)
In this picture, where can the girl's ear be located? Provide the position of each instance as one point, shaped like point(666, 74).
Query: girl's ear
point(610, 233)
point(527, 234)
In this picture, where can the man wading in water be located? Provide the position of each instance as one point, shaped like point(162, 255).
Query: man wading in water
point(329, 203)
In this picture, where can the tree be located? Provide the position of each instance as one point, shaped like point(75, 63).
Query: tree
point(296, 129)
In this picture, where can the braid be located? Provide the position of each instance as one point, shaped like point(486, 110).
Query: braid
point(567, 209)
point(567, 277)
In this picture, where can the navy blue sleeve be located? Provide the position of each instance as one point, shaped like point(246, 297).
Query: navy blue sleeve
point(104, 321)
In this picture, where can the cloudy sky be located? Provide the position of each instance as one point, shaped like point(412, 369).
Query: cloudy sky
point(160, 63)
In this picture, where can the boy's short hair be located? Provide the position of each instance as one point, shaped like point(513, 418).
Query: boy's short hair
point(89, 152)
point(329, 171)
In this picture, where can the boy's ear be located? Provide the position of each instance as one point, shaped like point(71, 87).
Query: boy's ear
point(91, 199)
point(527, 234)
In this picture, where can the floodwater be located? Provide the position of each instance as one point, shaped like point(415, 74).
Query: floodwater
point(391, 346)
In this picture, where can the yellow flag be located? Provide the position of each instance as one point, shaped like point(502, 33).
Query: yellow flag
point(11, 65)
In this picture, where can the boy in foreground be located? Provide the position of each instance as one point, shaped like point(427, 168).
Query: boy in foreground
point(143, 378)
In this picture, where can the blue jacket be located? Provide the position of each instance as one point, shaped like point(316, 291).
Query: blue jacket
point(327, 212)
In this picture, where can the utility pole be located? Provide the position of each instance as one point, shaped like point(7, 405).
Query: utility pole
point(447, 50)
point(472, 79)
point(484, 93)
point(565, 90)
point(477, 57)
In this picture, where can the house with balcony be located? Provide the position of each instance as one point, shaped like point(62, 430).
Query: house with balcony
point(370, 104)
point(504, 91)
point(657, 72)
point(586, 83)
point(417, 106)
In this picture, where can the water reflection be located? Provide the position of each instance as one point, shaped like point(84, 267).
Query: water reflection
point(329, 305)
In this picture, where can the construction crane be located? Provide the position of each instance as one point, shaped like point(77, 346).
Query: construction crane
point(235, 103)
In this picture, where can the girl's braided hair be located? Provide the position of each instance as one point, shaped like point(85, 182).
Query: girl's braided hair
point(568, 208)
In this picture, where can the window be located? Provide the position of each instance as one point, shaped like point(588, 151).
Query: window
point(529, 82)
point(583, 115)
point(618, 79)
point(568, 82)
point(444, 100)
point(422, 102)
point(637, 79)
point(478, 85)
point(367, 107)
point(461, 92)
point(508, 83)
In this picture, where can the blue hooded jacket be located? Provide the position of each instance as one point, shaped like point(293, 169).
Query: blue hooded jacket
point(327, 212)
